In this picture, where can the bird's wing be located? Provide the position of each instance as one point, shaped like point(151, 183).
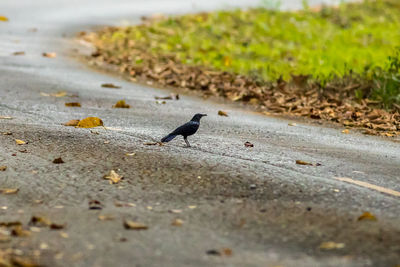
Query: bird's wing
point(188, 127)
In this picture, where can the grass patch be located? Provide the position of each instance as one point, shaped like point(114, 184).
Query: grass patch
point(351, 51)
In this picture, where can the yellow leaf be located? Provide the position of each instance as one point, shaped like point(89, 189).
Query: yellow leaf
point(3, 168)
point(222, 113)
point(9, 191)
point(20, 142)
point(131, 225)
point(367, 216)
point(301, 162)
point(6, 118)
point(73, 104)
point(121, 104)
point(331, 245)
point(3, 18)
point(113, 177)
point(59, 94)
point(90, 122)
point(346, 131)
point(177, 222)
point(105, 217)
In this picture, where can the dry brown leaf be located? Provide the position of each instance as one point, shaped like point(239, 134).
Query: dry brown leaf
point(39, 221)
point(49, 54)
point(19, 53)
point(110, 85)
point(121, 104)
point(346, 131)
point(4, 239)
point(95, 205)
point(301, 162)
point(132, 225)
point(73, 104)
point(71, 123)
point(177, 222)
point(331, 245)
point(222, 113)
point(58, 161)
point(8, 191)
point(59, 94)
point(90, 122)
point(153, 143)
point(367, 216)
point(20, 142)
point(163, 97)
point(19, 231)
point(227, 251)
point(56, 226)
point(3, 18)
point(10, 224)
point(113, 177)
point(23, 262)
point(3, 168)
point(248, 144)
point(6, 118)
point(105, 217)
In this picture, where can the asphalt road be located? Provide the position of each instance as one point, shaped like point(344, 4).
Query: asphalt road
point(268, 210)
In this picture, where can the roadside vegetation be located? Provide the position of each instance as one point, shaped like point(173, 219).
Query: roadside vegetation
point(340, 64)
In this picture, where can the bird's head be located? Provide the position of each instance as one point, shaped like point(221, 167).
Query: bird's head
point(198, 116)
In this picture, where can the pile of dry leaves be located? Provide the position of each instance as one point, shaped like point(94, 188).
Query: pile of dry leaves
point(334, 102)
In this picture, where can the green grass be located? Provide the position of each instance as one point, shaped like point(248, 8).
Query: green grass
point(360, 39)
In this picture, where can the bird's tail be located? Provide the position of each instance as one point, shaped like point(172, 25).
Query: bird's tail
point(168, 138)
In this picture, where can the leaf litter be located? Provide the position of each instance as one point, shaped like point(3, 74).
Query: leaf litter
point(8, 191)
point(132, 225)
point(121, 104)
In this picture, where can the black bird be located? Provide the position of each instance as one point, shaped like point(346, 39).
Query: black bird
point(185, 130)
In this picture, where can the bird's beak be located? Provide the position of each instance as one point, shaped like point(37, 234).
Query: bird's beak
point(203, 115)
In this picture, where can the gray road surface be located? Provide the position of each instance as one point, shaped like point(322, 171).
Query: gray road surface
point(255, 201)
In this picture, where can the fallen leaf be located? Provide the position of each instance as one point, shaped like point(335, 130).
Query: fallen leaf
point(64, 235)
point(161, 102)
point(20, 142)
point(227, 251)
point(248, 144)
point(71, 123)
point(90, 122)
point(73, 104)
point(346, 131)
point(95, 205)
point(301, 162)
point(23, 262)
point(153, 143)
point(110, 85)
point(19, 231)
point(58, 161)
point(131, 225)
point(213, 252)
point(8, 191)
point(192, 207)
point(19, 53)
point(10, 224)
point(59, 94)
point(175, 211)
point(331, 245)
point(367, 216)
point(3, 168)
point(49, 54)
point(124, 204)
point(6, 118)
point(163, 97)
point(130, 154)
point(113, 177)
point(4, 239)
point(222, 113)
point(7, 133)
point(177, 222)
point(3, 18)
point(121, 104)
point(292, 124)
point(57, 226)
point(39, 221)
point(106, 217)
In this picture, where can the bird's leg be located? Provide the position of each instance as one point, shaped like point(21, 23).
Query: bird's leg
point(187, 142)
